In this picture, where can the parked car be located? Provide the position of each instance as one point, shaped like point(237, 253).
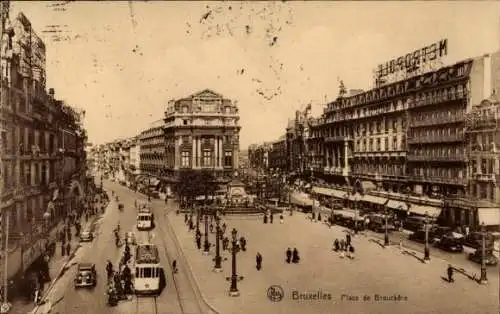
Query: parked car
point(86, 275)
point(490, 259)
point(377, 223)
point(419, 236)
point(451, 242)
point(414, 223)
point(474, 240)
point(86, 236)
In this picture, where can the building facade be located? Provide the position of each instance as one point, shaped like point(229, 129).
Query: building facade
point(152, 150)
point(405, 137)
point(43, 147)
point(278, 156)
point(202, 132)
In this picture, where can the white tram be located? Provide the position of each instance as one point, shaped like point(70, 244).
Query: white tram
point(145, 219)
point(149, 277)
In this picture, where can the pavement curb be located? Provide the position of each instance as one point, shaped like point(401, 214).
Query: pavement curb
point(177, 242)
point(60, 273)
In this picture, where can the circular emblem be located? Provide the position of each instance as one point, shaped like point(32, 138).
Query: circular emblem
point(275, 293)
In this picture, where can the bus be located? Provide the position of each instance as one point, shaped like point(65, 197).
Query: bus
point(145, 219)
point(149, 277)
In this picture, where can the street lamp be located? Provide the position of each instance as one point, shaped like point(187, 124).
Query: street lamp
point(386, 235)
point(483, 280)
point(426, 249)
point(218, 266)
point(233, 290)
point(206, 245)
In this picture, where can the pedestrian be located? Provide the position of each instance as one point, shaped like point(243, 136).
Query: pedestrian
point(63, 249)
point(265, 218)
point(198, 242)
point(185, 218)
point(68, 249)
point(224, 228)
point(281, 218)
point(288, 255)
point(351, 252)
point(174, 266)
point(258, 260)
point(295, 256)
point(348, 239)
point(313, 216)
point(450, 273)
point(319, 217)
point(211, 228)
point(336, 245)
point(342, 244)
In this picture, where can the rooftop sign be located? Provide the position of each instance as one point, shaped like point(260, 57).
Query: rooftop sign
point(413, 61)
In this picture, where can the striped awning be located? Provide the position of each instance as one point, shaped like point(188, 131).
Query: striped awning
point(422, 210)
point(374, 199)
point(398, 205)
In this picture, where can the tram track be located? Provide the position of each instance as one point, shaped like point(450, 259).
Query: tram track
point(146, 305)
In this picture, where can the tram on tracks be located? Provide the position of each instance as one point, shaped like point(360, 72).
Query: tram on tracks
point(149, 277)
point(145, 219)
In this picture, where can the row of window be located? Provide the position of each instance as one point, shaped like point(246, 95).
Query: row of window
point(207, 159)
point(485, 166)
point(382, 169)
point(438, 172)
point(483, 191)
point(438, 151)
point(432, 132)
point(40, 174)
point(381, 144)
point(23, 138)
point(442, 114)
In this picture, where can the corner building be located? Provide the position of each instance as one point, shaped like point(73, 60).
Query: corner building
point(406, 136)
point(202, 132)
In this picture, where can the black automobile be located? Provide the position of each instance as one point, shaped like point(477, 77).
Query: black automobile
point(474, 240)
point(377, 223)
point(419, 236)
point(86, 275)
point(490, 259)
point(451, 243)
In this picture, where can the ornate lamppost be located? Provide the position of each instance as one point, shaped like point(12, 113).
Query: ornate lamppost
point(426, 249)
point(233, 290)
point(206, 245)
point(483, 280)
point(386, 235)
point(218, 258)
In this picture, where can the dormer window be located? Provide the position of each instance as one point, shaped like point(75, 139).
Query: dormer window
point(184, 109)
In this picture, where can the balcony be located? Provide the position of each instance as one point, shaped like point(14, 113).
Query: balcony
point(435, 99)
point(441, 158)
point(438, 120)
point(484, 177)
point(440, 179)
point(436, 139)
point(340, 138)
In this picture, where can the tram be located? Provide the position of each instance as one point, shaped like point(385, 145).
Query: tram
point(149, 278)
point(145, 219)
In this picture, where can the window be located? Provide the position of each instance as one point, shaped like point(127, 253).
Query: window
point(228, 159)
point(395, 143)
point(207, 158)
point(386, 143)
point(378, 144)
point(185, 159)
point(27, 173)
point(184, 122)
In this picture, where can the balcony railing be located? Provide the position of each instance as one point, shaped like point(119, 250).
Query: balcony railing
point(451, 157)
point(438, 120)
point(436, 138)
point(485, 177)
point(434, 99)
point(440, 179)
point(340, 138)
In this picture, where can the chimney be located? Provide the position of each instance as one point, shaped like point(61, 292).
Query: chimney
point(52, 92)
point(487, 84)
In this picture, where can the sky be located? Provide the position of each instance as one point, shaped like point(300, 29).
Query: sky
point(122, 61)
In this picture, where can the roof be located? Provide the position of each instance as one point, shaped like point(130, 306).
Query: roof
point(147, 254)
point(85, 265)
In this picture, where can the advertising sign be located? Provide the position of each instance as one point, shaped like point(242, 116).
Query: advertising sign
point(413, 61)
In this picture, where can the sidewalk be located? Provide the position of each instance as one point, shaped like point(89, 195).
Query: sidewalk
point(385, 272)
point(57, 264)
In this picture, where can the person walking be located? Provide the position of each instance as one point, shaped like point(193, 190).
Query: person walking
point(258, 260)
point(450, 271)
point(348, 239)
point(288, 255)
point(68, 249)
point(281, 219)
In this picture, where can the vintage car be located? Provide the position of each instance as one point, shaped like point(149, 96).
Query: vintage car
point(86, 236)
point(451, 242)
point(490, 259)
point(86, 275)
point(130, 238)
point(377, 223)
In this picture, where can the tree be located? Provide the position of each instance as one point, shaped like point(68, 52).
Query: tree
point(193, 183)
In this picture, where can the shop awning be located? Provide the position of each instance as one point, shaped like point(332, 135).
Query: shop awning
point(490, 216)
point(421, 210)
point(330, 192)
point(373, 199)
point(398, 205)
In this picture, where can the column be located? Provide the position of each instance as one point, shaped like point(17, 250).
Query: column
point(235, 158)
point(221, 153)
point(193, 151)
point(33, 173)
point(345, 155)
point(327, 157)
point(198, 154)
point(216, 151)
